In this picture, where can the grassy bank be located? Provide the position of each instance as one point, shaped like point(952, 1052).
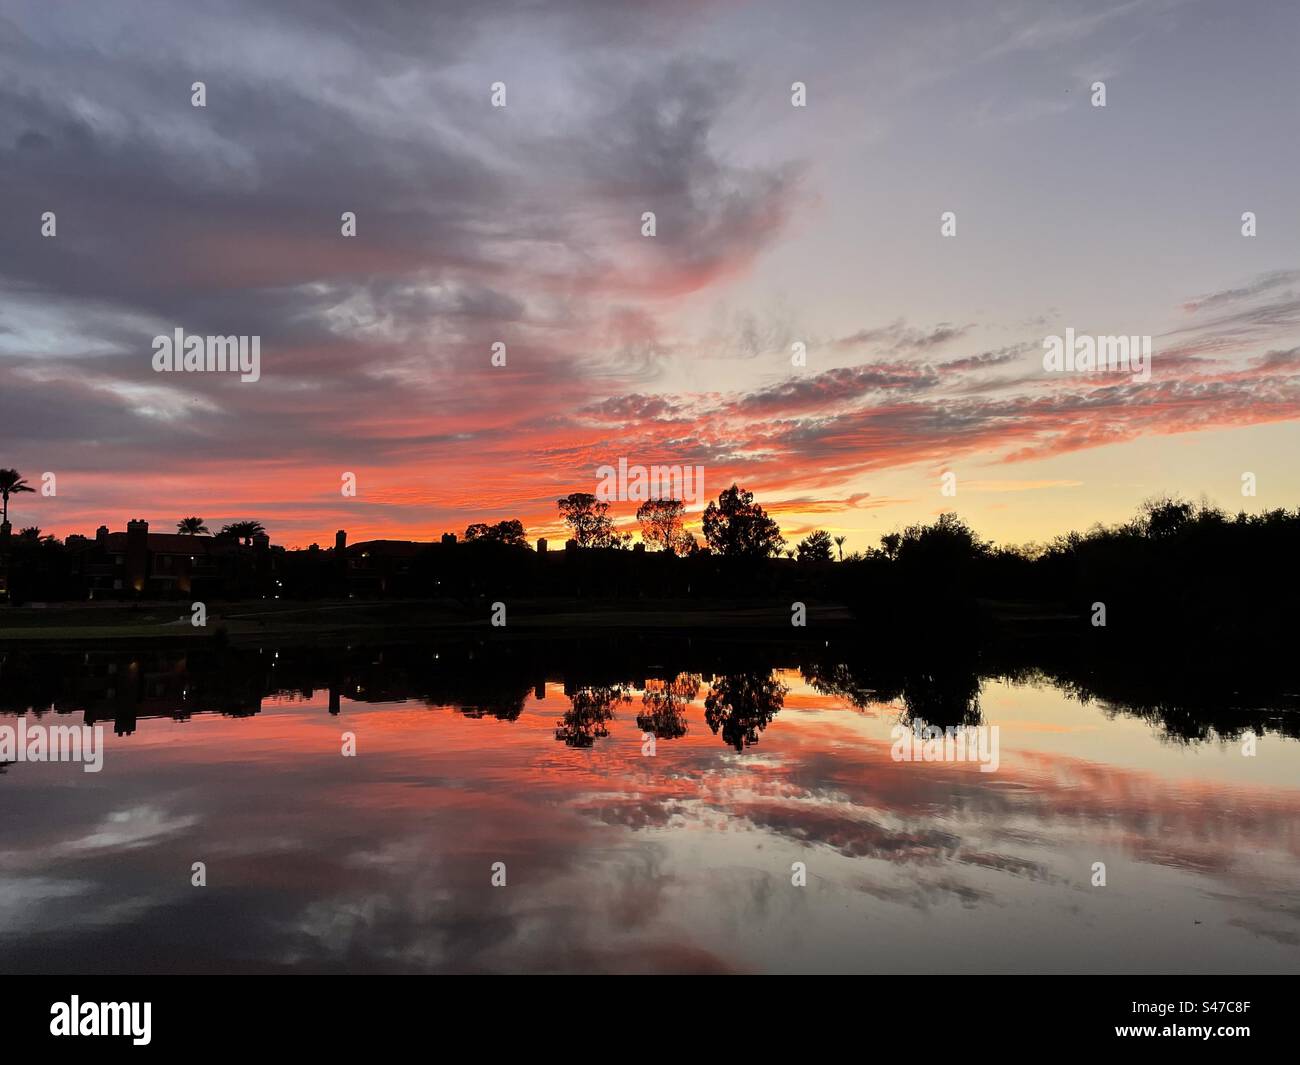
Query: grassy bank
point(70, 623)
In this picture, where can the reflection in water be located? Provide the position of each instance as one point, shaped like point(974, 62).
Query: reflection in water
point(529, 752)
point(664, 705)
point(587, 718)
point(485, 679)
point(741, 705)
point(943, 692)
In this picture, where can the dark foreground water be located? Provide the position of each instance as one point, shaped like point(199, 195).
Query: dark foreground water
point(617, 859)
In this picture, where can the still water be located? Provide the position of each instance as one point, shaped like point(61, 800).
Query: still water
point(619, 855)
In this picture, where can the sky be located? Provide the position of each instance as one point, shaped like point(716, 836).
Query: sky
point(522, 224)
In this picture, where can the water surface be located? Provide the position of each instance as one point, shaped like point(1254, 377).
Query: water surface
point(617, 860)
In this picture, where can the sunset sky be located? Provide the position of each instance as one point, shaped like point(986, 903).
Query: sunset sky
point(522, 224)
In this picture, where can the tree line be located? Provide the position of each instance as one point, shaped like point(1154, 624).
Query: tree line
point(1175, 567)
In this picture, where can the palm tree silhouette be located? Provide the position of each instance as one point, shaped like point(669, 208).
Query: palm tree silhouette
point(191, 526)
point(11, 483)
point(839, 543)
point(243, 530)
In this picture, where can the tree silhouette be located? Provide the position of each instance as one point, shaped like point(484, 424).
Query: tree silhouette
point(243, 530)
point(587, 719)
point(11, 483)
point(1165, 518)
point(815, 547)
point(509, 532)
point(664, 706)
point(741, 705)
point(839, 543)
point(948, 539)
point(191, 527)
point(661, 525)
point(738, 527)
point(938, 684)
point(589, 519)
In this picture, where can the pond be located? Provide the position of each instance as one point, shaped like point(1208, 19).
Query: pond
point(635, 805)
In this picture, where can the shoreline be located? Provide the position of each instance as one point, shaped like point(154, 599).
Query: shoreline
point(169, 622)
